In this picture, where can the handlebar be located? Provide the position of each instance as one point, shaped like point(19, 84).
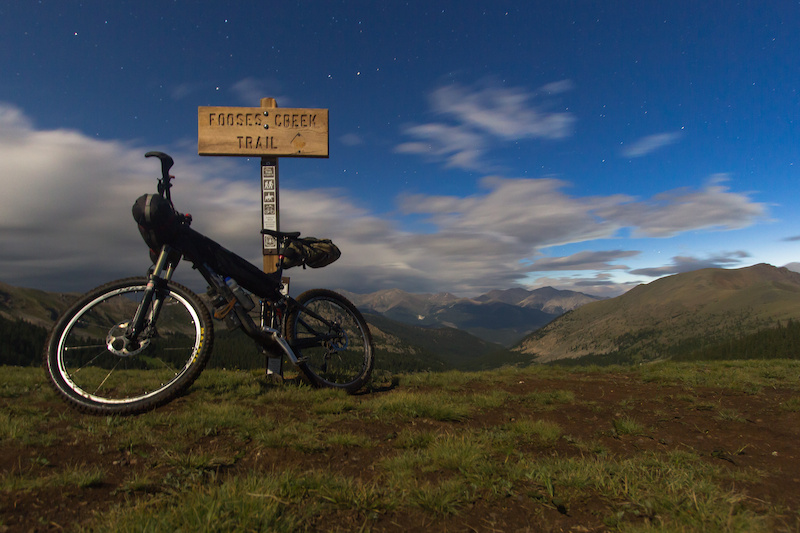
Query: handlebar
point(164, 182)
point(166, 164)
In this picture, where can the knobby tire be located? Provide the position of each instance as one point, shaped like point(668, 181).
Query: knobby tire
point(94, 375)
point(331, 340)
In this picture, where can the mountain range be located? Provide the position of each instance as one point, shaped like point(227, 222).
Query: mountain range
point(671, 315)
point(500, 316)
point(411, 331)
point(40, 308)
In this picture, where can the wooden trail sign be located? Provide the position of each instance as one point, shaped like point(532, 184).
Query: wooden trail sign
point(268, 132)
point(262, 131)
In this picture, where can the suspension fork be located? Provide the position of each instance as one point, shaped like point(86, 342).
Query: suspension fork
point(166, 263)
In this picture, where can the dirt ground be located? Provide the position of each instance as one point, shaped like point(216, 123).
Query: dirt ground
point(735, 430)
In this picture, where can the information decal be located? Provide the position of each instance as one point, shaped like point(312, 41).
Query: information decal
point(269, 200)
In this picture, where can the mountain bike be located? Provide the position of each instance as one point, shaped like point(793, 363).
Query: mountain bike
point(134, 344)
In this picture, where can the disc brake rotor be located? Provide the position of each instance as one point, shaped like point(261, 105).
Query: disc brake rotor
point(118, 344)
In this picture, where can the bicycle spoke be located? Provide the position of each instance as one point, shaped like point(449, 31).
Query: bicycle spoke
point(106, 378)
point(92, 360)
point(85, 347)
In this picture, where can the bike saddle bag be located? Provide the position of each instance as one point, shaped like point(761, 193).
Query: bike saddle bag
point(157, 220)
point(310, 251)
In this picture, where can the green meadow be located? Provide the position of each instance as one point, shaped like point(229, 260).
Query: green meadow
point(659, 447)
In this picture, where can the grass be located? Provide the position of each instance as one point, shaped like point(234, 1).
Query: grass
point(677, 485)
point(538, 431)
point(437, 451)
point(627, 426)
point(71, 475)
point(792, 404)
point(408, 405)
point(549, 399)
point(750, 376)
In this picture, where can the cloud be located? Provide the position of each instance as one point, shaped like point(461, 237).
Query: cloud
point(650, 144)
point(527, 213)
point(250, 91)
point(351, 139)
point(184, 90)
point(536, 213)
point(794, 266)
point(584, 261)
point(505, 113)
point(556, 87)
point(681, 264)
point(601, 284)
point(681, 210)
point(65, 220)
point(458, 147)
point(477, 117)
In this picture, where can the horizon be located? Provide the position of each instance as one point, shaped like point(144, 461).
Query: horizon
point(583, 147)
point(793, 267)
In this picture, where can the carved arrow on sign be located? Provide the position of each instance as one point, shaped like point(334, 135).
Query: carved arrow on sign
point(298, 142)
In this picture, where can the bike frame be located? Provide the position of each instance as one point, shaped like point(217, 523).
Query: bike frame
point(268, 334)
point(214, 263)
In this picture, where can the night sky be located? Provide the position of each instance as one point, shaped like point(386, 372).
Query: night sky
point(473, 145)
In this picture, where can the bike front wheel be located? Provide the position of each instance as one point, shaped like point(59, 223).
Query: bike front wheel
point(92, 366)
point(331, 340)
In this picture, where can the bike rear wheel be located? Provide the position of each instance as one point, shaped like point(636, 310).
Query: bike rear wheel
point(331, 339)
point(90, 365)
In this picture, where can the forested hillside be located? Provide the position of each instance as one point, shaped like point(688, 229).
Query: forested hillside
point(21, 342)
point(779, 342)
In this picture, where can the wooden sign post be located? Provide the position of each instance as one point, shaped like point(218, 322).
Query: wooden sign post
point(269, 200)
point(268, 132)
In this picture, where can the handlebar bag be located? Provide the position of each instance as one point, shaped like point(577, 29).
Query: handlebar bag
point(310, 251)
point(156, 219)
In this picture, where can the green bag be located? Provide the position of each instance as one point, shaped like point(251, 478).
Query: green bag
point(310, 251)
